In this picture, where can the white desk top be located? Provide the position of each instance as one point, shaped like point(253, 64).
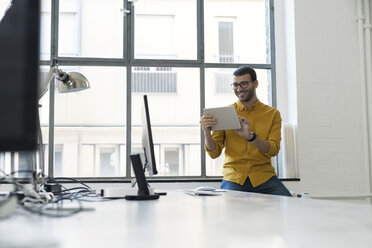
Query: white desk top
point(233, 219)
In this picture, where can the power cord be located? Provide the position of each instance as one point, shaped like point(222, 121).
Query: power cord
point(47, 196)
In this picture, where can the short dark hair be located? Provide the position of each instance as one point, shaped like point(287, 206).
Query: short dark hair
point(242, 70)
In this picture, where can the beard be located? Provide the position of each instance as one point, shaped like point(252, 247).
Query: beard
point(245, 95)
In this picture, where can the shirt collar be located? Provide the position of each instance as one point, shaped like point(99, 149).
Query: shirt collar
point(241, 106)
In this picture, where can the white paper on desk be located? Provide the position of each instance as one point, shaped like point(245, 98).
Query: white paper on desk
point(226, 118)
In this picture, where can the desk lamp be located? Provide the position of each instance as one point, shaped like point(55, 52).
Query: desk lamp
point(67, 82)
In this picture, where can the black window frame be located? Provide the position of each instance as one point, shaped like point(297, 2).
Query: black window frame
point(129, 62)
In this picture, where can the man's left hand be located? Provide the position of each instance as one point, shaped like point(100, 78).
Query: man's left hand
point(244, 130)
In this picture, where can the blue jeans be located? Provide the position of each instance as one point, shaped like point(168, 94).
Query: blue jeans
point(273, 186)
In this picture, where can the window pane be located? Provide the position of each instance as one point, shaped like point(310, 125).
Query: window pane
point(237, 31)
point(44, 100)
point(154, 80)
point(90, 124)
point(91, 28)
point(58, 163)
point(2, 161)
point(21, 162)
point(218, 92)
point(165, 29)
point(26, 162)
point(88, 168)
point(108, 161)
point(6, 162)
point(171, 157)
point(102, 104)
point(226, 41)
point(45, 22)
point(44, 115)
point(174, 114)
point(69, 31)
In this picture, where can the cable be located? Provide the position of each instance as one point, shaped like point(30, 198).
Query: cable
point(37, 200)
point(66, 190)
point(55, 179)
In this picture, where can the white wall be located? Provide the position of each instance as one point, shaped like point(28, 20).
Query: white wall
point(329, 112)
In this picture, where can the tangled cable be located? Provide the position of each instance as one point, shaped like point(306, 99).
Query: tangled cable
point(35, 199)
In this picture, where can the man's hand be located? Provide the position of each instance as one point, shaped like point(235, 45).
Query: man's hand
point(207, 121)
point(244, 130)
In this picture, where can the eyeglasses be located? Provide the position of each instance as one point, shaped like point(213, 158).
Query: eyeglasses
point(242, 85)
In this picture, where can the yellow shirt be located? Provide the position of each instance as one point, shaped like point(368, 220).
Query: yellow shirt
point(242, 159)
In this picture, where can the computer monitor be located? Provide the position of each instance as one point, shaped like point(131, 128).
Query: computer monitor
point(149, 163)
point(147, 141)
point(19, 68)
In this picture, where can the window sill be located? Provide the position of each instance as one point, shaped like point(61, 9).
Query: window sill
point(289, 179)
point(149, 179)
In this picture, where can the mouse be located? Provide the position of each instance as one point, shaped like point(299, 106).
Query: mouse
point(206, 188)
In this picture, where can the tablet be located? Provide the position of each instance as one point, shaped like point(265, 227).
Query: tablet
point(226, 118)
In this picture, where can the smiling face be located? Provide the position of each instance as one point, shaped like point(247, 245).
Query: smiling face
point(249, 92)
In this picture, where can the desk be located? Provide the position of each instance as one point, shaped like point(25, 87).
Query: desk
point(234, 219)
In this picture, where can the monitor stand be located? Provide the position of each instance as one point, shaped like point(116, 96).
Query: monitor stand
point(143, 190)
point(141, 196)
point(152, 191)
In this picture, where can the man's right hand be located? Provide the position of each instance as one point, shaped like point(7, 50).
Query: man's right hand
point(207, 121)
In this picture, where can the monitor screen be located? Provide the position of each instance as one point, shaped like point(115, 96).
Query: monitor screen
point(19, 68)
point(147, 141)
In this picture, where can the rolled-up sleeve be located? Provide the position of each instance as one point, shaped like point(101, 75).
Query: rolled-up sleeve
point(275, 135)
point(219, 139)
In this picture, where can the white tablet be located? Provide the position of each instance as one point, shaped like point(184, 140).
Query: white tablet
point(226, 118)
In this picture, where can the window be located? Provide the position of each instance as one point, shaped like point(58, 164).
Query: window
point(160, 48)
point(154, 80)
point(20, 162)
point(91, 28)
point(174, 120)
point(226, 42)
point(5, 162)
point(69, 32)
point(45, 29)
point(162, 28)
point(171, 161)
point(155, 36)
point(58, 160)
point(2, 161)
point(223, 80)
point(242, 29)
point(108, 160)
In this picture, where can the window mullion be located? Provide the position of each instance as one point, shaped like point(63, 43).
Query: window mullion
point(53, 55)
point(129, 23)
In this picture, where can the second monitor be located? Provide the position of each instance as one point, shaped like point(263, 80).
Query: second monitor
point(149, 162)
point(147, 141)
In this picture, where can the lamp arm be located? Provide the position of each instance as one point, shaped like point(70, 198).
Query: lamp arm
point(45, 86)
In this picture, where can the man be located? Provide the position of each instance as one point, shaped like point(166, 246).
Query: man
point(248, 150)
